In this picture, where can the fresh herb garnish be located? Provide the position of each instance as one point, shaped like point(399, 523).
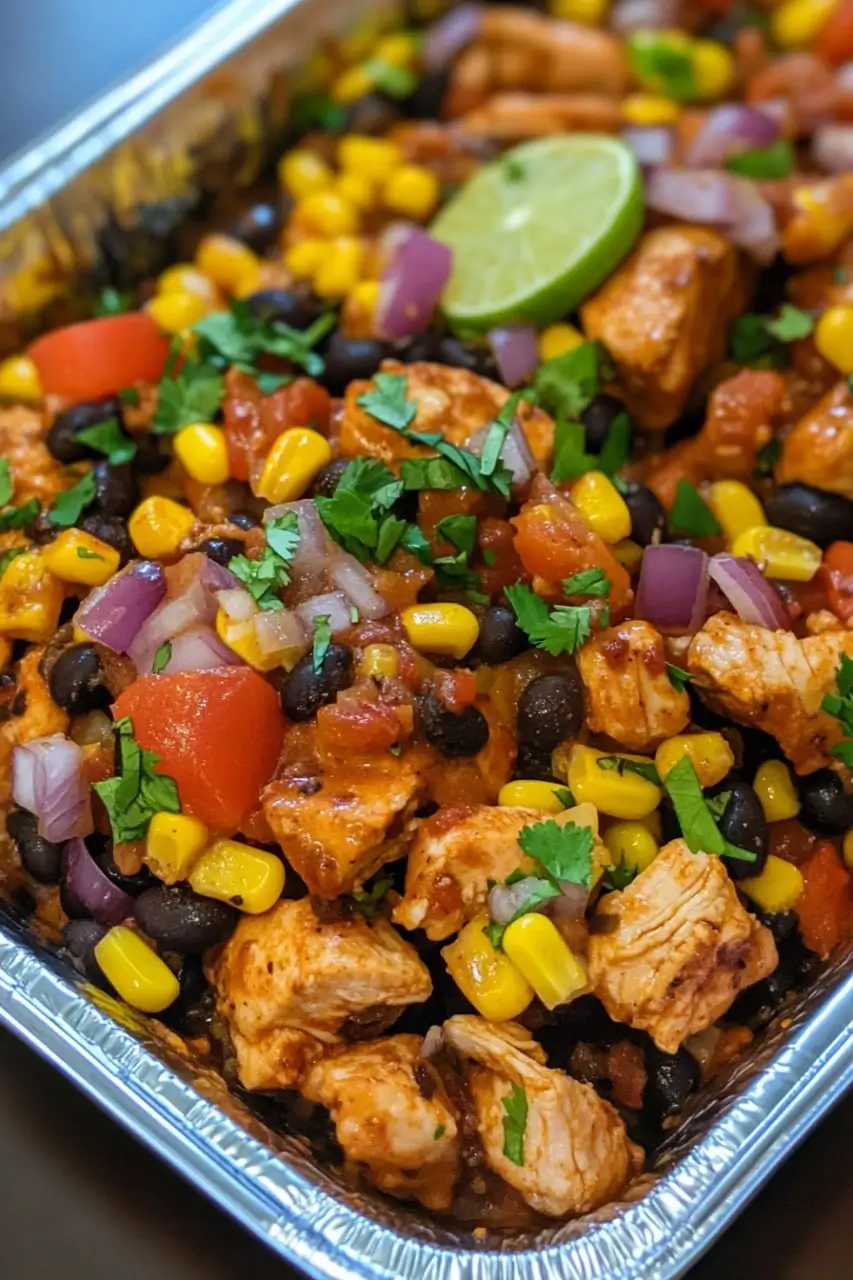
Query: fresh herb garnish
point(791, 324)
point(565, 852)
point(132, 799)
point(440, 1131)
point(460, 531)
point(718, 804)
point(112, 302)
point(162, 658)
point(322, 640)
point(267, 383)
point(697, 823)
point(396, 82)
point(618, 877)
point(562, 629)
point(8, 556)
point(70, 505)
point(571, 459)
point(515, 1123)
point(767, 459)
point(566, 385)
point(388, 402)
point(691, 515)
point(83, 553)
point(565, 797)
point(620, 764)
point(760, 341)
point(765, 163)
point(662, 67)
point(109, 438)
point(357, 513)
point(193, 395)
point(589, 582)
point(238, 337)
point(678, 677)
point(19, 517)
point(369, 901)
point(7, 487)
point(316, 111)
point(129, 395)
point(263, 578)
point(431, 473)
point(840, 705)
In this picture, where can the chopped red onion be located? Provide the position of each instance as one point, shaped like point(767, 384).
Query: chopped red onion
point(515, 452)
point(238, 604)
point(516, 351)
point(412, 284)
point(729, 130)
point(708, 196)
point(673, 588)
point(755, 229)
point(652, 146)
point(635, 15)
point(572, 902)
point(357, 585)
point(752, 597)
point(105, 901)
point(333, 605)
point(832, 147)
point(195, 607)
point(448, 36)
point(278, 630)
point(315, 546)
point(115, 613)
point(506, 900)
point(47, 780)
point(197, 649)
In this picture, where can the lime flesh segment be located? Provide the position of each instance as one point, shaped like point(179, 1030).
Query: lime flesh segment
point(535, 232)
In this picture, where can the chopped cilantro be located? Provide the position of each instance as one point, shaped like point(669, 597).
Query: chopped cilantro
point(239, 337)
point(661, 66)
point(565, 385)
point(83, 553)
point(589, 582)
point(109, 438)
point(132, 799)
point(791, 324)
point(767, 459)
point(19, 517)
point(322, 640)
point(396, 82)
point(8, 556)
point(616, 449)
point(571, 458)
point(129, 395)
point(70, 505)
point(440, 1131)
point(621, 764)
point(263, 578)
point(357, 514)
point(388, 403)
point(162, 657)
point(618, 877)
point(840, 705)
point(718, 804)
point(697, 823)
point(691, 515)
point(515, 1122)
point(461, 531)
point(316, 111)
point(678, 677)
point(369, 901)
point(193, 395)
point(490, 557)
point(431, 473)
point(760, 341)
point(565, 797)
point(267, 383)
point(765, 163)
point(7, 487)
point(112, 302)
point(565, 852)
point(562, 629)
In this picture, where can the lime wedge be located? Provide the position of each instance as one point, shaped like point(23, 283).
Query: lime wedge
point(538, 230)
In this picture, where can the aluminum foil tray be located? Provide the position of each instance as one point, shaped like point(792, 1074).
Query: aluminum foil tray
point(104, 200)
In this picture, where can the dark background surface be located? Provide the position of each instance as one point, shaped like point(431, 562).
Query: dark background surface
point(79, 1200)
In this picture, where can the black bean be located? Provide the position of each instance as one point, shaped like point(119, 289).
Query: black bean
point(812, 513)
point(259, 226)
point(424, 346)
point(827, 807)
point(474, 356)
point(425, 102)
point(327, 480)
point(244, 520)
point(222, 550)
point(550, 710)
point(43, 530)
point(454, 734)
point(130, 884)
point(39, 858)
point(191, 1012)
point(598, 417)
point(76, 680)
point(113, 531)
point(81, 937)
point(349, 358)
point(759, 1001)
point(116, 489)
point(295, 307)
point(62, 437)
point(648, 517)
point(743, 824)
point(500, 638)
point(151, 455)
point(305, 690)
point(530, 763)
point(670, 1078)
point(181, 920)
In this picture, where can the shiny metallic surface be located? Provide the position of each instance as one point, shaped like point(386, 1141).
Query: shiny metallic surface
point(98, 201)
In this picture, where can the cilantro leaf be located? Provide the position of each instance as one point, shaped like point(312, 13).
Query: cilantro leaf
point(621, 764)
point(431, 473)
point(718, 804)
point(565, 385)
point(8, 556)
point(697, 823)
point(369, 901)
point(396, 82)
point(110, 439)
point(132, 799)
point(843, 751)
point(661, 66)
point(356, 514)
point(691, 515)
point(112, 302)
point(239, 337)
point(760, 341)
point(840, 705)
point(767, 459)
point(388, 403)
point(565, 797)
point(564, 851)
point(461, 531)
point(791, 324)
point(440, 1131)
point(515, 1123)
point(570, 457)
point(83, 553)
point(7, 487)
point(317, 111)
point(562, 629)
point(19, 517)
point(678, 677)
point(162, 657)
point(194, 395)
point(616, 449)
point(264, 578)
point(618, 877)
point(70, 505)
point(322, 640)
point(763, 163)
point(589, 582)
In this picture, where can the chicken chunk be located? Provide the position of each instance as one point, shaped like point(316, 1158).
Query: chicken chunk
point(453, 402)
point(669, 953)
point(575, 1152)
point(819, 450)
point(629, 695)
point(402, 1136)
point(287, 982)
point(664, 314)
point(338, 828)
point(515, 117)
point(772, 681)
point(34, 470)
point(40, 717)
point(459, 852)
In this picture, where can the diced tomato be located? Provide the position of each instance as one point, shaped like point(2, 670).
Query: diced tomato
point(825, 907)
point(455, 689)
point(435, 505)
point(97, 358)
point(555, 542)
point(495, 538)
point(837, 573)
point(359, 728)
point(400, 582)
point(835, 42)
point(253, 421)
point(217, 733)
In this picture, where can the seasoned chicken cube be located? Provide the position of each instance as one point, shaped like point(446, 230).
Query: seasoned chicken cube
point(669, 953)
point(338, 828)
point(40, 717)
point(629, 695)
point(459, 852)
point(402, 1135)
point(773, 681)
point(514, 117)
point(819, 450)
point(290, 970)
point(575, 1154)
point(663, 316)
point(453, 402)
point(34, 470)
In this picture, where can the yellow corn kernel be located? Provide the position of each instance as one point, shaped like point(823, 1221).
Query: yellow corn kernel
point(779, 554)
point(19, 379)
point(589, 12)
point(225, 260)
point(541, 955)
point(629, 554)
point(174, 842)
point(381, 661)
point(373, 158)
point(249, 281)
point(413, 191)
point(529, 794)
point(648, 110)
point(303, 258)
point(326, 213)
point(30, 599)
point(602, 505)
point(356, 189)
point(796, 23)
point(833, 337)
point(292, 463)
point(248, 878)
point(847, 849)
point(736, 507)
point(619, 795)
point(557, 340)
point(136, 971)
point(631, 843)
point(713, 69)
point(242, 639)
point(174, 312)
point(710, 754)
point(447, 629)
point(360, 308)
point(778, 886)
point(484, 975)
point(158, 526)
point(339, 272)
point(75, 556)
point(185, 277)
point(399, 50)
point(776, 791)
point(202, 449)
point(352, 84)
point(303, 173)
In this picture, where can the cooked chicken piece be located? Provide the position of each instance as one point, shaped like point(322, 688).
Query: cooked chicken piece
point(34, 470)
point(819, 450)
point(402, 1136)
point(515, 117)
point(669, 954)
point(459, 852)
point(738, 424)
point(773, 681)
point(336, 829)
point(291, 971)
point(575, 1152)
point(664, 314)
point(629, 695)
point(39, 719)
point(453, 402)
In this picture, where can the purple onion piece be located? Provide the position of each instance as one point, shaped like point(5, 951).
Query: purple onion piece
point(450, 35)
point(730, 130)
point(516, 351)
point(197, 649)
point(47, 780)
point(105, 902)
point(115, 613)
point(752, 597)
point(351, 577)
point(673, 588)
point(412, 284)
point(332, 605)
point(506, 900)
point(652, 146)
